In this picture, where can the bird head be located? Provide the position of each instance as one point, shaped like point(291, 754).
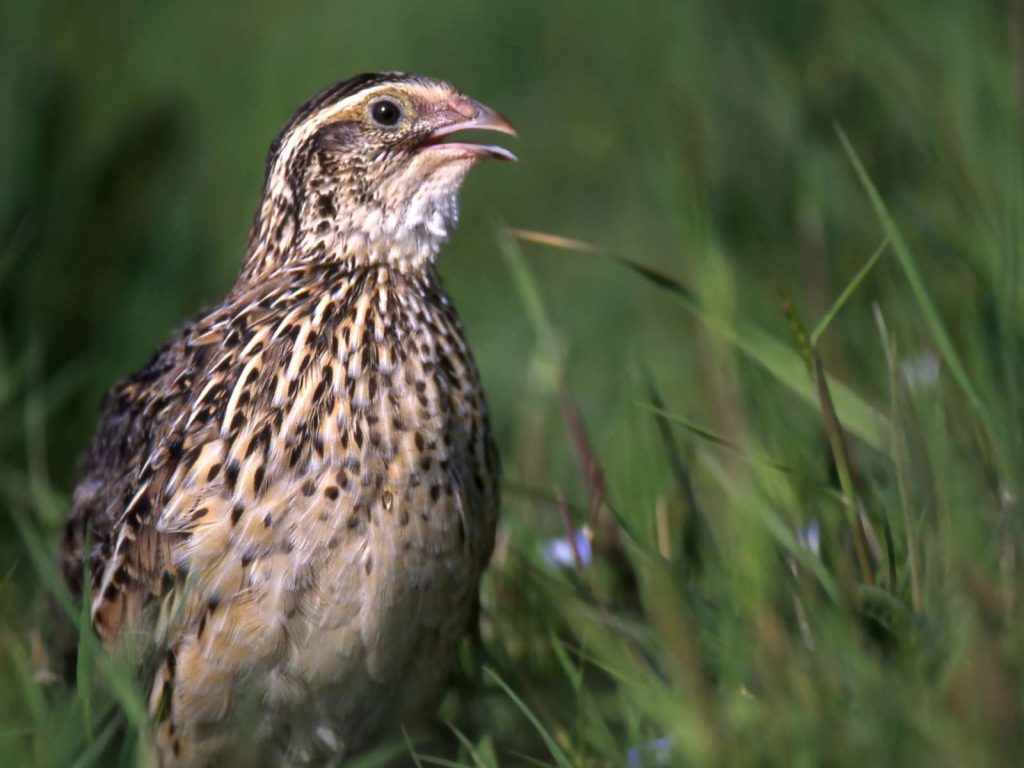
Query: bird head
point(366, 171)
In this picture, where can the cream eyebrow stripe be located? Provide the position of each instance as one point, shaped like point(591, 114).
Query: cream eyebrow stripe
point(325, 115)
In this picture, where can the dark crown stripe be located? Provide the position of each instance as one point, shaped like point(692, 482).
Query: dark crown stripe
point(331, 94)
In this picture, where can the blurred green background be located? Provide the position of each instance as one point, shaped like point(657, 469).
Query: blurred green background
point(700, 139)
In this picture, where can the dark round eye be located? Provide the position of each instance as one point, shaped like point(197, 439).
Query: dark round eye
point(385, 112)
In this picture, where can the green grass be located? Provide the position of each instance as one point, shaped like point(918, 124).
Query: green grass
point(793, 316)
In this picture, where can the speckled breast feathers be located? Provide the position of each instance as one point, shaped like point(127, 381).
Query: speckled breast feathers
point(293, 501)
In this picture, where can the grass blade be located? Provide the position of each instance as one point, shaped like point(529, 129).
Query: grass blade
point(549, 741)
point(780, 360)
point(526, 287)
point(84, 661)
point(121, 684)
point(92, 754)
point(712, 437)
point(917, 286)
point(841, 457)
point(848, 291)
point(470, 748)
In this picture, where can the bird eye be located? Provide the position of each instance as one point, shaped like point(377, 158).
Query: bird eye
point(385, 112)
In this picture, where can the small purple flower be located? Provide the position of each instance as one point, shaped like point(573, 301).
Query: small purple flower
point(921, 370)
point(810, 536)
point(558, 552)
point(653, 754)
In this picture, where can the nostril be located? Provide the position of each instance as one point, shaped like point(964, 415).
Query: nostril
point(465, 108)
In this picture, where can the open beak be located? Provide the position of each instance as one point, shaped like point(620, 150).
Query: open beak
point(469, 115)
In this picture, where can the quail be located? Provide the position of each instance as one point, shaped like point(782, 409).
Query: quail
point(289, 507)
